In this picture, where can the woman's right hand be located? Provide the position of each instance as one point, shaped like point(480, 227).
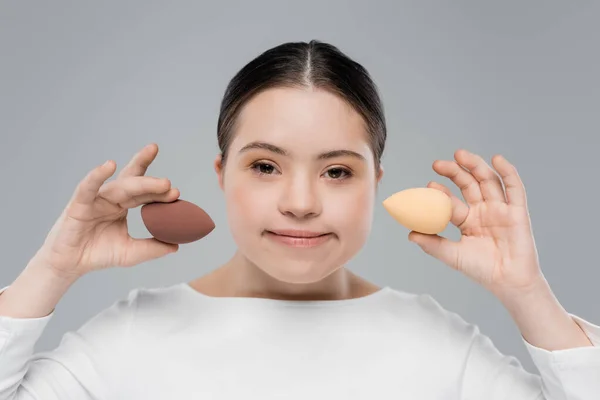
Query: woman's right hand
point(92, 234)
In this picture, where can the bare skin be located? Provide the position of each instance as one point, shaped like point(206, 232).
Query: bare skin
point(218, 283)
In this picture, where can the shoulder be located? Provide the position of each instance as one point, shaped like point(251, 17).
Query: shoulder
point(156, 311)
point(427, 316)
point(136, 305)
point(154, 299)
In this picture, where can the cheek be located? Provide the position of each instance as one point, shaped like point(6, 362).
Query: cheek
point(352, 211)
point(246, 206)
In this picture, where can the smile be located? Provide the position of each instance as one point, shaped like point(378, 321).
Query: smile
point(299, 239)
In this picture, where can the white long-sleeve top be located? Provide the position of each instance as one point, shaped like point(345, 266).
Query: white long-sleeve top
point(176, 343)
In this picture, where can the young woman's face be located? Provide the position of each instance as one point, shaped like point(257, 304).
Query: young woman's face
point(300, 164)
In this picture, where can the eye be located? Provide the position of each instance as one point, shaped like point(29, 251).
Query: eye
point(262, 168)
point(339, 173)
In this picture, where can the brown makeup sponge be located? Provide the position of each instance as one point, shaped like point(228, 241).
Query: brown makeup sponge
point(177, 222)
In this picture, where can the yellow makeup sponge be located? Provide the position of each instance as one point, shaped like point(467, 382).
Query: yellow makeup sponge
point(423, 210)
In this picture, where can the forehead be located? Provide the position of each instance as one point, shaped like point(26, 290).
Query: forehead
point(301, 119)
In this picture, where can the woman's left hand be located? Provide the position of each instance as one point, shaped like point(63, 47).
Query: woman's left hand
point(496, 248)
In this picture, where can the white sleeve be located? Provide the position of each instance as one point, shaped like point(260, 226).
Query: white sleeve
point(84, 366)
point(571, 374)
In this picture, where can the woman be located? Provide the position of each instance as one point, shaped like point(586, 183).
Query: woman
point(301, 133)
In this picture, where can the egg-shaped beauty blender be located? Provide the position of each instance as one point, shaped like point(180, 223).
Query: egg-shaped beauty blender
point(423, 210)
point(177, 222)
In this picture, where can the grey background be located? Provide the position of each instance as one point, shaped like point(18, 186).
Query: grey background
point(84, 82)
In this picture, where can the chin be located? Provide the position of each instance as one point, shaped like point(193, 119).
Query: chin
point(297, 272)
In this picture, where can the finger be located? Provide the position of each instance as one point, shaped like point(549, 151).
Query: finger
point(146, 249)
point(460, 210)
point(489, 181)
point(140, 162)
point(136, 201)
point(123, 190)
point(87, 190)
point(437, 246)
point(462, 178)
point(515, 190)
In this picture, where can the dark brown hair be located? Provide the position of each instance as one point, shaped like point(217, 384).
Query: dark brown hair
point(300, 64)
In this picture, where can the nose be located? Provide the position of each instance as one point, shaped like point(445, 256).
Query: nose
point(300, 198)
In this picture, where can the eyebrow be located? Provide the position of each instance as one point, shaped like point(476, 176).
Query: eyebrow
point(278, 150)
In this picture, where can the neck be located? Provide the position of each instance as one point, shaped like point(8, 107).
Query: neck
point(239, 277)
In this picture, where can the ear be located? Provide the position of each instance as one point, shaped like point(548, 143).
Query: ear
point(218, 165)
point(379, 174)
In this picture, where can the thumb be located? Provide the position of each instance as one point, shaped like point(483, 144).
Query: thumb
point(146, 249)
point(436, 246)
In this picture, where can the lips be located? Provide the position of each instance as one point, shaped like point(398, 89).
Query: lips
point(296, 233)
point(299, 238)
